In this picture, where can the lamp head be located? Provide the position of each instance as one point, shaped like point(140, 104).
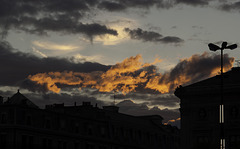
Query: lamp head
point(213, 47)
point(231, 47)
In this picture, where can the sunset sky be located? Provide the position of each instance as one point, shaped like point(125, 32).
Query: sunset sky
point(58, 51)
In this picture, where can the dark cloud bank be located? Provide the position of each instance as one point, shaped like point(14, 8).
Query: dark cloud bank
point(230, 6)
point(17, 66)
point(66, 16)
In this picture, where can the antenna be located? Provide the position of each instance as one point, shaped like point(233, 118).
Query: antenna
point(238, 63)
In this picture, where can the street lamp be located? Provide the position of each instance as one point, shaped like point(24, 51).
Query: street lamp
point(214, 47)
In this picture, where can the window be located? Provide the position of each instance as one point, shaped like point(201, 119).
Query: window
point(88, 129)
point(202, 139)
point(27, 142)
point(102, 131)
point(3, 118)
point(90, 146)
point(3, 141)
point(47, 123)
point(234, 112)
point(62, 145)
point(62, 124)
point(76, 128)
point(202, 114)
point(46, 143)
point(29, 120)
point(76, 145)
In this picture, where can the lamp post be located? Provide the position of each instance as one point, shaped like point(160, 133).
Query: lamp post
point(214, 47)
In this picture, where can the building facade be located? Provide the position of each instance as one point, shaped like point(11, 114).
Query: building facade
point(25, 126)
point(200, 117)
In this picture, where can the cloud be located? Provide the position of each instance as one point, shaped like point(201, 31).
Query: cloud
point(164, 100)
point(69, 16)
point(174, 122)
point(150, 36)
point(171, 39)
point(131, 75)
point(40, 17)
point(145, 3)
point(81, 58)
point(230, 6)
point(54, 46)
point(39, 52)
point(131, 108)
point(139, 34)
point(119, 26)
point(111, 6)
point(17, 66)
point(194, 2)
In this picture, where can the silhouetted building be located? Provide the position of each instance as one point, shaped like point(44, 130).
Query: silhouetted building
point(25, 126)
point(199, 109)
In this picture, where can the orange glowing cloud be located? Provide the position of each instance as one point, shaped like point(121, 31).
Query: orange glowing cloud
point(172, 121)
point(132, 74)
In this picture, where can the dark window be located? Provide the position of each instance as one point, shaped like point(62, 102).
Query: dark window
point(62, 145)
point(3, 141)
point(62, 124)
point(103, 131)
point(140, 135)
point(90, 146)
point(202, 114)
point(202, 139)
point(3, 118)
point(76, 128)
point(46, 143)
point(47, 123)
point(29, 120)
point(234, 112)
point(27, 142)
point(76, 145)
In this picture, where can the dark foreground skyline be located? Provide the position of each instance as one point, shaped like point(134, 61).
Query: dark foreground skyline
point(23, 125)
point(51, 49)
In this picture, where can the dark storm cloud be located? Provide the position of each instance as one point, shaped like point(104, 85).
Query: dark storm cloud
point(150, 36)
point(139, 34)
point(67, 16)
point(112, 6)
point(167, 100)
point(16, 66)
point(230, 6)
point(193, 2)
point(171, 39)
point(146, 3)
point(131, 108)
point(39, 17)
point(62, 24)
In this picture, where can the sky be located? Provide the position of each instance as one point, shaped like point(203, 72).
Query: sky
point(131, 53)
